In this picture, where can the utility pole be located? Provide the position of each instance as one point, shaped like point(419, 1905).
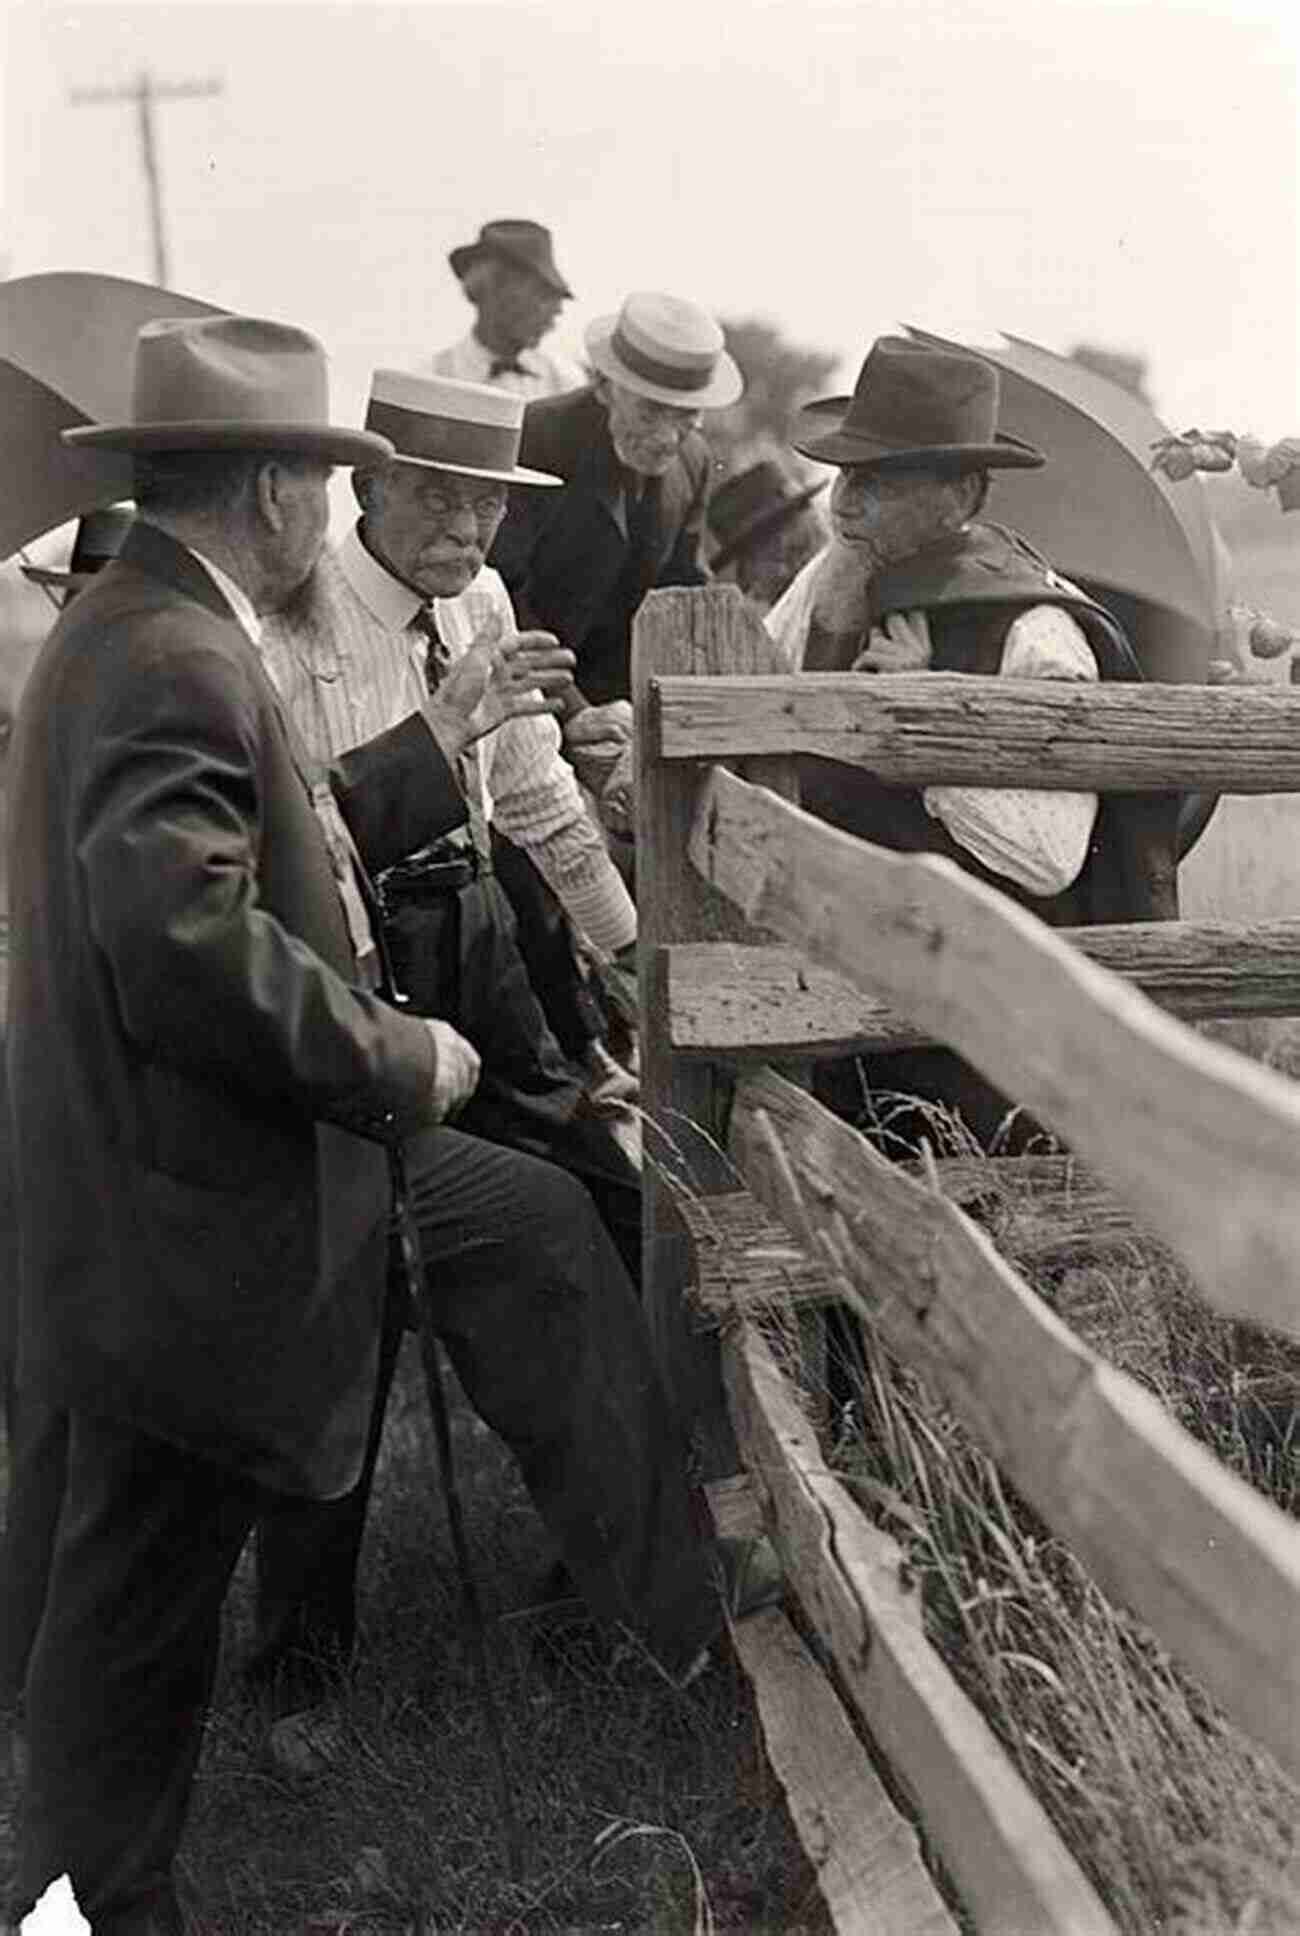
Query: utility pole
point(144, 91)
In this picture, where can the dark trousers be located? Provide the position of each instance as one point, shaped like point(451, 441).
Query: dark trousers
point(121, 1672)
point(457, 955)
point(572, 1010)
point(37, 1437)
point(549, 1341)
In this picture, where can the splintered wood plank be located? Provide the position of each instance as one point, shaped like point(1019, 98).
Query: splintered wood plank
point(1204, 1145)
point(956, 729)
point(1210, 1563)
point(867, 1857)
point(756, 1003)
point(996, 1840)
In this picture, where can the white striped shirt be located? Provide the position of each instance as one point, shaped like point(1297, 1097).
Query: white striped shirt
point(349, 667)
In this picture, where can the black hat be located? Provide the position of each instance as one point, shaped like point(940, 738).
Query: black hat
point(914, 407)
point(525, 244)
point(749, 504)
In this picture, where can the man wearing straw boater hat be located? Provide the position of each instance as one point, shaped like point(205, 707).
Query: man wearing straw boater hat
point(910, 580)
point(636, 484)
point(511, 281)
point(203, 1083)
point(401, 599)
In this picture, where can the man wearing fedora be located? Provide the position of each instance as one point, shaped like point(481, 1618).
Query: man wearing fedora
point(637, 474)
point(204, 1079)
point(511, 281)
point(764, 530)
point(912, 579)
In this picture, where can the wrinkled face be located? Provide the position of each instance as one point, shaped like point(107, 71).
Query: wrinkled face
point(646, 435)
point(433, 529)
point(891, 514)
point(304, 500)
point(516, 307)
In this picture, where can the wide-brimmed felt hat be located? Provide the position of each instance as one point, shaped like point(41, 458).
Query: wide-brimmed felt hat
point(914, 407)
point(205, 383)
point(526, 245)
point(668, 350)
point(473, 429)
point(749, 505)
point(98, 541)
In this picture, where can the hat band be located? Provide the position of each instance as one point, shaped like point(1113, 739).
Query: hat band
point(668, 376)
point(445, 440)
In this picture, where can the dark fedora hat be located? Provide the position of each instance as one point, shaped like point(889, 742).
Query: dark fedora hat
point(443, 424)
point(525, 244)
point(231, 383)
point(98, 541)
point(914, 407)
point(751, 503)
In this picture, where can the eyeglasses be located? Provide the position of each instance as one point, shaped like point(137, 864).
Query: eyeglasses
point(445, 501)
point(650, 412)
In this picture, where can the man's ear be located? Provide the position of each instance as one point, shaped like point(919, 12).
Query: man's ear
point(364, 482)
point(268, 493)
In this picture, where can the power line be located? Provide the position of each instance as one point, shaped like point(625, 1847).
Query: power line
point(144, 91)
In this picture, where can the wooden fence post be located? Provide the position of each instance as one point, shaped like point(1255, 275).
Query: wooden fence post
point(710, 630)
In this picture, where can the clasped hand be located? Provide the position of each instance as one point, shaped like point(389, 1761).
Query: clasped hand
point(901, 644)
point(497, 679)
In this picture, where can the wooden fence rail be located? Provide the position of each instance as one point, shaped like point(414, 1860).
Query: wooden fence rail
point(766, 933)
point(953, 729)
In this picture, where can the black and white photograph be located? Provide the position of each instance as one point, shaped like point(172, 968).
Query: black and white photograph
point(650, 968)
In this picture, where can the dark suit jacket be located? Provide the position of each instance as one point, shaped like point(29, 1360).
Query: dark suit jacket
point(199, 1088)
point(577, 562)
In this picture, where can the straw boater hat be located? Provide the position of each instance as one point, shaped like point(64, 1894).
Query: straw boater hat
point(98, 541)
point(470, 428)
point(746, 507)
point(914, 408)
point(525, 245)
point(231, 383)
point(668, 350)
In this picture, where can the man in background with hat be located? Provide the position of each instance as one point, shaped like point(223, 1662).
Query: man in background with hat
point(203, 1085)
point(764, 530)
point(637, 473)
point(510, 279)
point(912, 580)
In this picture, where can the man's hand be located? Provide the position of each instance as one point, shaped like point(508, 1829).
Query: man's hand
point(902, 644)
point(455, 1069)
point(595, 740)
point(495, 680)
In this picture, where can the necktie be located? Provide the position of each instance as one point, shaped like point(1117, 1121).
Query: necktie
point(468, 769)
point(505, 366)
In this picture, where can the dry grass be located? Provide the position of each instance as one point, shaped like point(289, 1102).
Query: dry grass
point(642, 1810)
point(1183, 1826)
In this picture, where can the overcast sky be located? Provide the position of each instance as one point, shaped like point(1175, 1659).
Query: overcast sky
point(1058, 168)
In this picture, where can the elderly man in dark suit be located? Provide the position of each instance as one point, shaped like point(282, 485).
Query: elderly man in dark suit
point(203, 1083)
point(637, 474)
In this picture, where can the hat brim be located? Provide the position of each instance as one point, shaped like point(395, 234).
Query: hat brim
point(766, 522)
point(819, 435)
point(329, 443)
point(725, 386)
point(519, 475)
point(464, 258)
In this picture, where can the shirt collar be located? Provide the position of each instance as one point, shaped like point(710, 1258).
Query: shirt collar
point(528, 360)
point(235, 596)
point(385, 597)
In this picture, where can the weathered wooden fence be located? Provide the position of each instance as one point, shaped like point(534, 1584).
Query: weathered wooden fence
point(767, 935)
